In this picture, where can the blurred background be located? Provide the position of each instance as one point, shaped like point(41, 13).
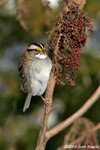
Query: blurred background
point(22, 22)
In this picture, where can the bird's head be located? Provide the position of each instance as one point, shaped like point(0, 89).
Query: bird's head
point(35, 48)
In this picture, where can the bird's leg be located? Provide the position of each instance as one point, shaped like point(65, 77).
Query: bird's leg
point(46, 101)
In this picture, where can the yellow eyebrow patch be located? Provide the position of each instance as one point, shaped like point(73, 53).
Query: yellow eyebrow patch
point(38, 49)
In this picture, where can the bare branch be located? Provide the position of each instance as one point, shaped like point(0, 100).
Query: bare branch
point(97, 127)
point(2, 2)
point(49, 95)
point(94, 129)
point(76, 115)
point(80, 2)
point(84, 132)
point(23, 13)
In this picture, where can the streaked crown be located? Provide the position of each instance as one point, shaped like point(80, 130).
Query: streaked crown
point(35, 47)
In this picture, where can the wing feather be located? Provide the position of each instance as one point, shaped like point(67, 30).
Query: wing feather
point(21, 67)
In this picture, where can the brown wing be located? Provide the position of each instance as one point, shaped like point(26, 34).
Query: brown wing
point(21, 67)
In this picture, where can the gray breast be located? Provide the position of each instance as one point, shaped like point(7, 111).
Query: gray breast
point(41, 69)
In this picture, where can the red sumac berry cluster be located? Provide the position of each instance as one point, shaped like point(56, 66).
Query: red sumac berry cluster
point(66, 40)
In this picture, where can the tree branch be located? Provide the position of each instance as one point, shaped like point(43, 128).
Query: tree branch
point(49, 95)
point(52, 132)
point(80, 2)
point(2, 2)
point(78, 140)
point(91, 132)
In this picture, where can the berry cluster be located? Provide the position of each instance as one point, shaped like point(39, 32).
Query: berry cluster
point(66, 40)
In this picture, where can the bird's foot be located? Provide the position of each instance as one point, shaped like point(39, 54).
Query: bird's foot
point(46, 101)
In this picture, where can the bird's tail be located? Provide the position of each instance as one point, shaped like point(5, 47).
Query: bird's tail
point(27, 102)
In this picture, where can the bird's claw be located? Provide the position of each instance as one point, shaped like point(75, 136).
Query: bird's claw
point(46, 101)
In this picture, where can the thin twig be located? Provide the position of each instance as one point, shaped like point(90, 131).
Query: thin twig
point(81, 138)
point(80, 2)
point(54, 108)
point(2, 2)
point(97, 127)
point(94, 129)
point(55, 130)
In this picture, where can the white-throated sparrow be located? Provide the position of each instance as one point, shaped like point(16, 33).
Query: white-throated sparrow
point(34, 70)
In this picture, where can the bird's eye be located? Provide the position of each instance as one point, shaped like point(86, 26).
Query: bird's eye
point(35, 50)
point(30, 50)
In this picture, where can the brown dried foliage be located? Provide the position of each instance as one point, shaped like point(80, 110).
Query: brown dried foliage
point(66, 40)
point(2, 2)
point(48, 13)
point(23, 13)
point(81, 134)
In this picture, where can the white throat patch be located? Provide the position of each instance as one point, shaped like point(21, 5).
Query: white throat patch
point(41, 56)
